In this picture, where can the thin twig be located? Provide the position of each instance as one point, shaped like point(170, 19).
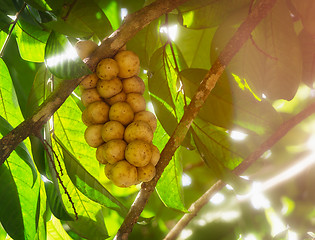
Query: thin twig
point(56, 156)
point(191, 166)
point(260, 50)
point(251, 4)
point(269, 143)
point(233, 46)
point(71, 5)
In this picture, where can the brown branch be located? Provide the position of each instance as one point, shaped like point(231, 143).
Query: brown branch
point(193, 210)
point(134, 23)
point(254, 156)
point(207, 84)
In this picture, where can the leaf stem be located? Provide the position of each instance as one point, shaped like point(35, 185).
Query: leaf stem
point(52, 162)
point(17, 16)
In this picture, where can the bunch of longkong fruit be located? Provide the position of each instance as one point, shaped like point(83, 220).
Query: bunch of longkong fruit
point(118, 124)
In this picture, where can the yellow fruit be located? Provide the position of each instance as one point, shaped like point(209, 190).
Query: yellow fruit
point(138, 153)
point(107, 69)
point(122, 174)
point(155, 155)
point(90, 95)
point(148, 117)
point(85, 48)
point(138, 130)
point(97, 112)
point(133, 85)
point(107, 170)
point(146, 173)
point(136, 102)
point(89, 81)
point(100, 154)
point(114, 150)
point(121, 112)
point(93, 135)
point(109, 88)
point(128, 62)
point(112, 130)
point(85, 118)
point(119, 97)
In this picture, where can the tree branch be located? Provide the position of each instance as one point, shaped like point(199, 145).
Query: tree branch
point(207, 84)
point(254, 156)
point(133, 24)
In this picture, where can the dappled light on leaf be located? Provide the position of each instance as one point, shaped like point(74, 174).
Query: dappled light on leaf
point(277, 70)
point(61, 58)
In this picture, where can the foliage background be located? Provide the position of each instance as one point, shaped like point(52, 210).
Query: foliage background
point(267, 82)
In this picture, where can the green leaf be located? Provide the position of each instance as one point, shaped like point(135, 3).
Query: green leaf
point(307, 45)
point(304, 11)
point(4, 27)
point(216, 150)
point(3, 233)
point(195, 46)
point(218, 144)
point(39, 91)
point(61, 58)
point(18, 176)
point(70, 129)
point(7, 7)
point(272, 57)
point(91, 226)
point(55, 230)
point(158, 77)
point(41, 214)
point(208, 13)
point(21, 149)
point(9, 105)
point(112, 12)
point(82, 20)
point(88, 184)
point(88, 15)
point(39, 4)
point(143, 45)
point(21, 76)
point(228, 105)
point(165, 114)
point(11, 216)
point(3, 36)
point(218, 108)
point(169, 186)
point(55, 201)
point(31, 41)
point(163, 77)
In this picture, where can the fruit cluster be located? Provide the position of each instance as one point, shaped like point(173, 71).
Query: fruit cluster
point(118, 124)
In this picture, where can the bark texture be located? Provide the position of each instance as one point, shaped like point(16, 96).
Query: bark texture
point(233, 46)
